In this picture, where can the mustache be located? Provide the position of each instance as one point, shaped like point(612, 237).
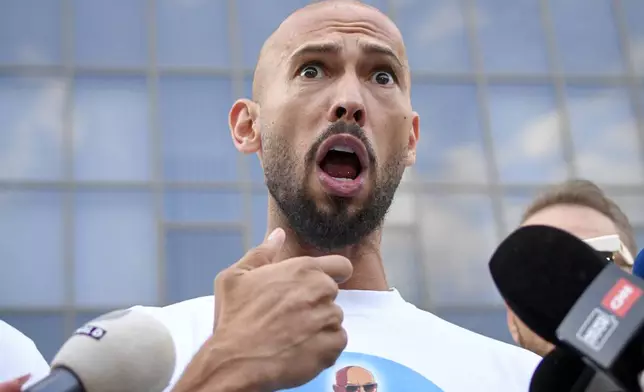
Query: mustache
point(342, 128)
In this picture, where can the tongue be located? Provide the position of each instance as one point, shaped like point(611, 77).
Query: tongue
point(337, 168)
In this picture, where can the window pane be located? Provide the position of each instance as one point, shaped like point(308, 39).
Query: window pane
point(193, 33)
point(490, 322)
point(31, 249)
point(111, 129)
point(264, 17)
point(31, 135)
point(586, 36)
point(511, 36)
point(634, 11)
point(458, 237)
point(632, 207)
point(203, 206)
point(450, 146)
point(99, 42)
point(47, 330)
point(527, 135)
point(435, 35)
point(30, 32)
point(604, 135)
point(116, 249)
point(514, 205)
point(195, 257)
point(194, 120)
point(259, 215)
point(401, 261)
point(84, 317)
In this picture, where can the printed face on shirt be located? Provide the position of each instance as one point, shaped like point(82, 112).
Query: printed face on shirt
point(331, 120)
point(354, 379)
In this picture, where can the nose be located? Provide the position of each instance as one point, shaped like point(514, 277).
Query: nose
point(350, 108)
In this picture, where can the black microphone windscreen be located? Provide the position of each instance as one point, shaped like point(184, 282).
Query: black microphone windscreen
point(559, 371)
point(540, 272)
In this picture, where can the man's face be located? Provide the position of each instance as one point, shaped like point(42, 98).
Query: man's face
point(580, 221)
point(335, 120)
point(355, 379)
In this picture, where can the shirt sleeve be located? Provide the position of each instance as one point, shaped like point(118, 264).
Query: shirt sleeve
point(20, 356)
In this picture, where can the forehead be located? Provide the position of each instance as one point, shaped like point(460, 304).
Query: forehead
point(336, 21)
point(583, 222)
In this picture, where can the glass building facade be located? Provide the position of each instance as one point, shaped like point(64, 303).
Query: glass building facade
point(119, 183)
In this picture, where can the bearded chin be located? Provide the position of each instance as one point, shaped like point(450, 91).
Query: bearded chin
point(337, 227)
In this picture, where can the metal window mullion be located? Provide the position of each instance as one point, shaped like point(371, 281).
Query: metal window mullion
point(243, 167)
point(67, 37)
point(637, 101)
point(494, 183)
point(156, 146)
point(559, 82)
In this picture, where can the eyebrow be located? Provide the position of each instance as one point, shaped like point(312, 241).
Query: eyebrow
point(335, 48)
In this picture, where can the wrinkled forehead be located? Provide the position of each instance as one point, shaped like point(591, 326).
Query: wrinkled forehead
point(341, 23)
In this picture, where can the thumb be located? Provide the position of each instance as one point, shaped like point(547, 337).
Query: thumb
point(265, 252)
point(14, 385)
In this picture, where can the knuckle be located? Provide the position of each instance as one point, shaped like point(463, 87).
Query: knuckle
point(255, 253)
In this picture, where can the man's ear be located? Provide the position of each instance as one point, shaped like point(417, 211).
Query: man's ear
point(412, 140)
point(244, 127)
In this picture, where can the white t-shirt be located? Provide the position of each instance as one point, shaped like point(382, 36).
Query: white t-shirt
point(404, 348)
point(19, 356)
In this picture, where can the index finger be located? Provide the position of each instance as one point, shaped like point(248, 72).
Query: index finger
point(337, 267)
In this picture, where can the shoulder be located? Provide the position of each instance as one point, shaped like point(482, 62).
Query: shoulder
point(190, 324)
point(492, 361)
point(19, 355)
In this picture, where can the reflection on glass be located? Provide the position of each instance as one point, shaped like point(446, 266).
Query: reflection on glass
point(99, 42)
point(458, 236)
point(30, 32)
point(197, 145)
point(193, 33)
point(450, 147)
point(31, 247)
point(435, 35)
point(526, 130)
point(402, 263)
point(47, 330)
point(115, 249)
point(511, 36)
point(264, 17)
point(203, 206)
point(586, 36)
point(195, 257)
point(632, 205)
point(634, 11)
point(31, 134)
point(111, 129)
point(604, 135)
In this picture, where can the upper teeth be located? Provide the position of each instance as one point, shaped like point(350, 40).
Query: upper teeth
point(343, 149)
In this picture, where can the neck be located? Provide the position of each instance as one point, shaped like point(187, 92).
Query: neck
point(368, 270)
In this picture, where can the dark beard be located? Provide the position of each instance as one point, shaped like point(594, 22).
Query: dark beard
point(328, 231)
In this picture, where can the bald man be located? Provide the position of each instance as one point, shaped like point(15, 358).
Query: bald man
point(332, 123)
point(354, 379)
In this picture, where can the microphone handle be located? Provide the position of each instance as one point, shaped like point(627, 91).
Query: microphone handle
point(59, 379)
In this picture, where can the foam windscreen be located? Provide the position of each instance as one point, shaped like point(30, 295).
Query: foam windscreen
point(541, 271)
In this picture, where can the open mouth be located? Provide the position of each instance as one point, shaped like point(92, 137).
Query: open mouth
point(342, 159)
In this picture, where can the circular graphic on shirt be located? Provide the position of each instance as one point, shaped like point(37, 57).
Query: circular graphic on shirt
point(354, 372)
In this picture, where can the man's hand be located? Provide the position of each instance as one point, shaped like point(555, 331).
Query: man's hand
point(276, 324)
point(14, 385)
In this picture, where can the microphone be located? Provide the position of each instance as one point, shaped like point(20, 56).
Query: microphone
point(564, 291)
point(638, 265)
point(558, 371)
point(125, 350)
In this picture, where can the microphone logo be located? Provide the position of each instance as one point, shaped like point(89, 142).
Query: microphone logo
point(621, 298)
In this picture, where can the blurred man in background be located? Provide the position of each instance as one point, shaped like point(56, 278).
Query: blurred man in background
point(583, 209)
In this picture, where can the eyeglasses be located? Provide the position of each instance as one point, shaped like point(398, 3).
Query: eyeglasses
point(370, 387)
point(612, 248)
